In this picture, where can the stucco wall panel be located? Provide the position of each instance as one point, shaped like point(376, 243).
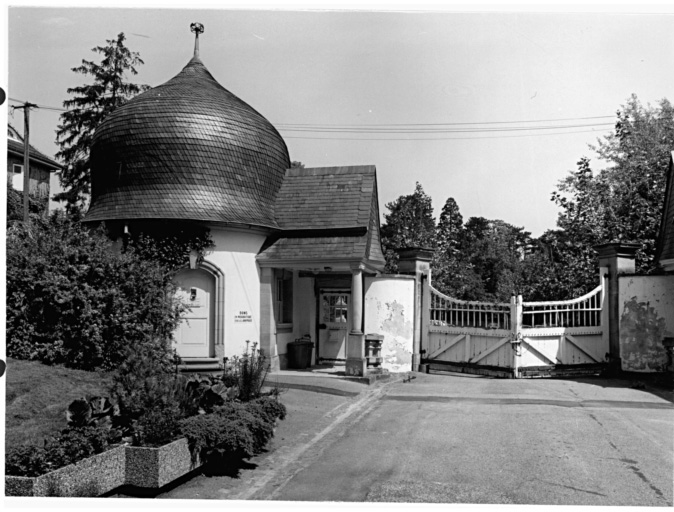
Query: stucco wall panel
point(646, 317)
point(389, 310)
point(234, 253)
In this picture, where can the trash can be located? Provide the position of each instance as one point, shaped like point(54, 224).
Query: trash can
point(299, 354)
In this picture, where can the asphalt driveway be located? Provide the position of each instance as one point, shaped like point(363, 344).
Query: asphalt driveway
point(459, 439)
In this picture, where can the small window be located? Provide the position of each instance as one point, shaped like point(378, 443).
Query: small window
point(284, 298)
point(335, 308)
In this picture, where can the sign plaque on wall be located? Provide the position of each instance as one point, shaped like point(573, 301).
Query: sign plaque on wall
point(243, 316)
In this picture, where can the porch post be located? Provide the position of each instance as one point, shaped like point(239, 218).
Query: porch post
point(615, 258)
point(356, 363)
point(267, 320)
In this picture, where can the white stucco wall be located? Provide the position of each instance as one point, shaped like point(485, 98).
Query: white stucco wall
point(234, 254)
point(389, 310)
point(646, 317)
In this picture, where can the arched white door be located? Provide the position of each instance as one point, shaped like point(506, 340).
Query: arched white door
point(195, 333)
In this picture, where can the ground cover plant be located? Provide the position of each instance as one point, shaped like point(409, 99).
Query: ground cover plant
point(151, 404)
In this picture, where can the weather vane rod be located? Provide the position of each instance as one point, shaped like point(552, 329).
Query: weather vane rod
point(197, 28)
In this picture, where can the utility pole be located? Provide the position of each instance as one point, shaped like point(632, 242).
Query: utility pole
point(26, 157)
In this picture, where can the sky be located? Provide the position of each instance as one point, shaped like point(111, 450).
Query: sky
point(434, 84)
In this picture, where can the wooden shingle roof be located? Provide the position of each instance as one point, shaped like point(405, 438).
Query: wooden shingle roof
point(16, 148)
point(187, 149)
point(327, 214)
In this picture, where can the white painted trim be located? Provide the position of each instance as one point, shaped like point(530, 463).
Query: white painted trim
point(446, 347)
point(490, 333)
point(582, 346)
point(534, 332)
point(492, 349)
point(536, 350)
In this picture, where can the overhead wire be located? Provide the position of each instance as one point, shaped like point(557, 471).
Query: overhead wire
point(422, 128)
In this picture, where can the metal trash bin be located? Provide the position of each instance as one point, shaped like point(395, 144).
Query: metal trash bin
point(299, 353)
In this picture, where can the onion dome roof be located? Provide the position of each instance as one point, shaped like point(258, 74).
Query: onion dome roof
point(187, 149)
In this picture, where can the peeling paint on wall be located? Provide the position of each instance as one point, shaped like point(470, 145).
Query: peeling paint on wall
point(389, 310)
point(641, 334)
point(396, 351)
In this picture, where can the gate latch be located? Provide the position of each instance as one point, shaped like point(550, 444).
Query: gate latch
point(516, 342)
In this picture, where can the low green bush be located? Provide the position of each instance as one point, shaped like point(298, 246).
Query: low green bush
point(213, 435)
point(157, 426)
point(71, 445)
point(253, 417)
point(272, 406)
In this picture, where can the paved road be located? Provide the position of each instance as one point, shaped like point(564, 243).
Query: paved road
point(456, 439)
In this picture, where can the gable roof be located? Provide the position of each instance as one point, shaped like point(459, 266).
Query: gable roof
point(327, 214)
point(665, 250)
point(326, 197)
point(15, 147)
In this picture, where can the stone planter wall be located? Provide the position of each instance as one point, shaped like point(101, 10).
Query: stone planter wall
point(125, 465)
point(156, 467)
point(89, 477)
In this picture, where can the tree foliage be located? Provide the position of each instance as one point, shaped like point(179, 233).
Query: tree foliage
point(410, 223)
point(619, 203)
point(484, 259)
point(71, 300)
point(90, 104)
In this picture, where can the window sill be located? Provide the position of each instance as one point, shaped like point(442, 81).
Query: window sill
point(284, 327)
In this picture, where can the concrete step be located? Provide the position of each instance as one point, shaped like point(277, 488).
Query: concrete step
point(200, 364)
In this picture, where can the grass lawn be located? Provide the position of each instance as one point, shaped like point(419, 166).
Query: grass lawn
point(38, 396)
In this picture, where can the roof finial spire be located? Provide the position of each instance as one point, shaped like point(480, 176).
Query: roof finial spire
point(197, 28)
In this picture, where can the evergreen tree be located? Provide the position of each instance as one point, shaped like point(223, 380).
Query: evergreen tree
point(410, 223)
point(90, 104)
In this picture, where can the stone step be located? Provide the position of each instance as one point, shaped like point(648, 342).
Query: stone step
point(200, 364)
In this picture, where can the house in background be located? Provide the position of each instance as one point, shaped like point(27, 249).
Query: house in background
point(665, 252)
point(41, 167)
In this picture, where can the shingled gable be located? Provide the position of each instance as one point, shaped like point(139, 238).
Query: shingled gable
point(665, 252)
point(326, 214)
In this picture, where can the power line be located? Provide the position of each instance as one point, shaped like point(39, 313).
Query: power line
point(444, 138)
point(449, 130)
point(447, 124)
point(418, 128)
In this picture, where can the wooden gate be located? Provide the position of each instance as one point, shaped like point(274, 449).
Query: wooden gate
point(516, 339)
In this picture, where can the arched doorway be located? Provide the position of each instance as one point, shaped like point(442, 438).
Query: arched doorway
point(195, 335)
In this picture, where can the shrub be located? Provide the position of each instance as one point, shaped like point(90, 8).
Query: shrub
point(145, 380)
point(252, 417)
point(71, 300)
point(272, 407)
point(157, 426)
point(27, 460)
point(72, 445)
point(212, 435)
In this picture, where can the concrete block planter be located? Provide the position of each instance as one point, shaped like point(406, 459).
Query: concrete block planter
point(149, 468)
point(155, 467)
point(89, 477)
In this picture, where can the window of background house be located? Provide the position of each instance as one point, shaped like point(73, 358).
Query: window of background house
point(284, 297)
point(17, 177)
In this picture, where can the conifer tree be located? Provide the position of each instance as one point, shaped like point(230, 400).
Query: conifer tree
point(90, 104)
